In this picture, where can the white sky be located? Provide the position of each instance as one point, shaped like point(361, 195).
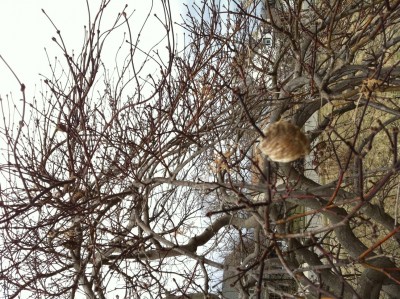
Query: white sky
point(25, 31)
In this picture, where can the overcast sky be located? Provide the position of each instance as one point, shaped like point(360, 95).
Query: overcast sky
point(26, 31)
